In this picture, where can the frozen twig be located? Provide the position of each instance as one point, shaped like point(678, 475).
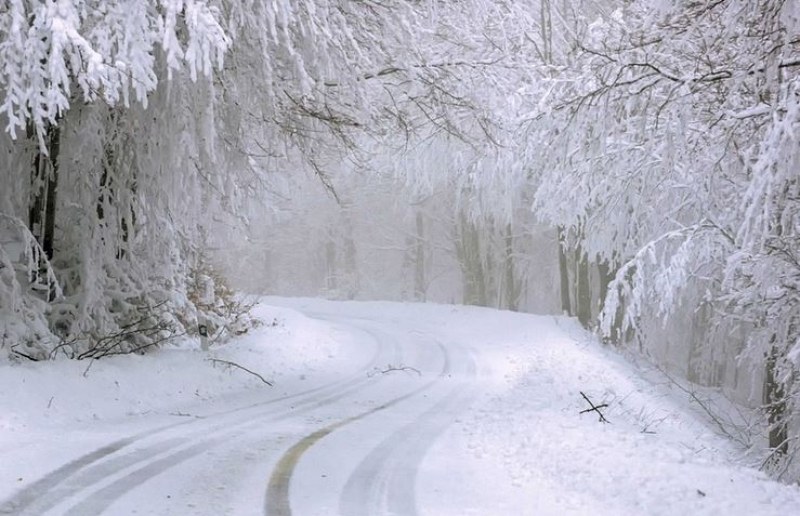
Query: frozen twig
point(234, 364)
point(390, 368)
point(724, 426)
point(184, 414)
point(24, 355)
point(86, 371)
point(595, 408)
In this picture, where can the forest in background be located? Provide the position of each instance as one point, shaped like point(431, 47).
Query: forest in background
point(633, 164)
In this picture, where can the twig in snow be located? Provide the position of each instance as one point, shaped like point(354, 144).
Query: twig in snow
point(25, 355)
point(390, 368)
point(595, 408)
point(655, 422)
point(726, 427)
point(86, 372)
point(184, 414)
point(234, 364)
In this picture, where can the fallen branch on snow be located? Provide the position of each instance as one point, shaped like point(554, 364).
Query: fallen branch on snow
point(234, 364)
point(184, 414)
point(595, 408)
point(390, 368)
point(740, 434)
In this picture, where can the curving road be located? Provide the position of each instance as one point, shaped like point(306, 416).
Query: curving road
point(350, 445)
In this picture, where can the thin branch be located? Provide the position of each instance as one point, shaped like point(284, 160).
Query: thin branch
point(234, 364)
point(595, 408)
point(722, 425)
point(390, 368)
point(25, 355)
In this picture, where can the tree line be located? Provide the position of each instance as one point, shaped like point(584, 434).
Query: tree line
point(657, 140)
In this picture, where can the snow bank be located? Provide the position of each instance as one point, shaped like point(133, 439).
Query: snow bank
point(82, 399)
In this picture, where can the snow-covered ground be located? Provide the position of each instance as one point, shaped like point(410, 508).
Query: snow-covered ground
point(375, 408)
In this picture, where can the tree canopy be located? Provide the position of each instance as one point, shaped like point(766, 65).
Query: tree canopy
point(657, 139)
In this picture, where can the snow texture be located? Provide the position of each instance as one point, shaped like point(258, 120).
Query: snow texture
point(518, 444)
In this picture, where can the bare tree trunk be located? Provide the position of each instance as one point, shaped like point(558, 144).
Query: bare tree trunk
point(584, 289)
point(775, 401)
point(468, 251)
point(44, 190)
point(407, 291)
point(116, 190)
point(36, 202)
point(512, 289)
point(351, 266)
point(352, 285)
point(698, 339)
point(48, 240)
point(563, 269)
point(419, 259)
point(330, 265)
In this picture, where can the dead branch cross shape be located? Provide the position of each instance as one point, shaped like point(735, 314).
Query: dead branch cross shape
point(595, 408)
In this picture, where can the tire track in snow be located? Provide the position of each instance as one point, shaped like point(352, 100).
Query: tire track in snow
point(102, 499)
point(77, 477)
point(22, 501)
point(277, 502)
point(384, 481)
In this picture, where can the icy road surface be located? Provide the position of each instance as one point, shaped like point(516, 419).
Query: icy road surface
point(376, 409)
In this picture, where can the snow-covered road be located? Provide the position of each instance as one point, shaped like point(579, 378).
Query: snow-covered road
point(377, 409)
point(363, 456)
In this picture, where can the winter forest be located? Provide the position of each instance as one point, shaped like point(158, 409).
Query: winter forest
point(632, 163)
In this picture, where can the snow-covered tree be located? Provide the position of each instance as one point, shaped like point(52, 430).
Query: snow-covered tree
point(672, 161)
point(129, 123)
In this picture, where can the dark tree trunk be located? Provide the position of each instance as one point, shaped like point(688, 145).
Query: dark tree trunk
point(563, 270)
point(330, 265)
point(419, 259)
point(584, 290)
point(48, 240)
point(351, 267)
point(115, 193)
point(42, 203)
point(468, 250)
point(775, 401)
point(36, 201)
point(512, 288)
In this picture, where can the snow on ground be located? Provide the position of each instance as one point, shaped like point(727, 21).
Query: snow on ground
point(52, 394)
point(657, 456)
point(80, 402)
point(521, 448)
